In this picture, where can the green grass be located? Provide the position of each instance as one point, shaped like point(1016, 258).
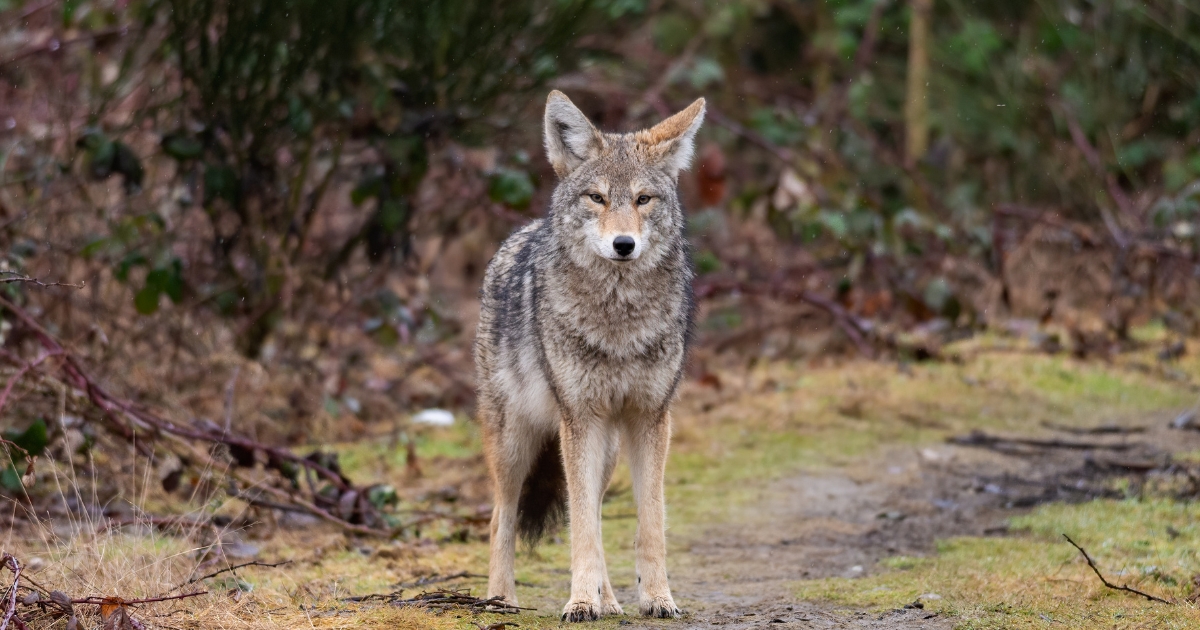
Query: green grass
point(1035, 579)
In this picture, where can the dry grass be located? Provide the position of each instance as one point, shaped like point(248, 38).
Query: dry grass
point(767, 421)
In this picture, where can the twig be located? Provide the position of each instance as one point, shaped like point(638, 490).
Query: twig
point(16, 277)
point(235, 567)
point(1110, 584)
point(1083, 233)
point(1092, 156)
point(156, 521)
point(862, 58)
point(849, 324)
point(130, 602)
point(782, 154)
point(855, 328)
point(10, 609)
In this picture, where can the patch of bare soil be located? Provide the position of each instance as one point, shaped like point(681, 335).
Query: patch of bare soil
point(842, 523)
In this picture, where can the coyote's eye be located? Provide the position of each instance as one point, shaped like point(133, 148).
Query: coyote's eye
point(597, 198)
point(643, 200)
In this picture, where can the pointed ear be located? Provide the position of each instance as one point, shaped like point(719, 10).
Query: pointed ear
point(570, 139)
point(673, 141)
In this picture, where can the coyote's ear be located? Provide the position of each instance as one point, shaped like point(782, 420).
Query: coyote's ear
point(570, 139)
point(673, 141)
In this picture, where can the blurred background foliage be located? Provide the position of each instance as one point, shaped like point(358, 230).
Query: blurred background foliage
point(314, 183)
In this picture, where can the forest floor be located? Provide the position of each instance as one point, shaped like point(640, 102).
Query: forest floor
point(835, 495)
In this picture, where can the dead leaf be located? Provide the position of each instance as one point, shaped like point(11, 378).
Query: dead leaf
point(115, 615)
point(63, 601)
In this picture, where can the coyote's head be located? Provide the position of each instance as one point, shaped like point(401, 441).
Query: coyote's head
point(617, 193)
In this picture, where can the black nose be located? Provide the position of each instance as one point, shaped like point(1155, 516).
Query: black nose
point(624, 245)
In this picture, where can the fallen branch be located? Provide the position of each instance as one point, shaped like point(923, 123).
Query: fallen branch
point(1103, 429)
point(1110, 584)
point(443, 600)
point(981, 439)
point(254, 563)
point(100, 601)
point(135, 423)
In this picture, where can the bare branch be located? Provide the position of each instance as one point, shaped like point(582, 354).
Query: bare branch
point(16, 277)
point(254, 563)
point(129, 602)
point(1110, 584)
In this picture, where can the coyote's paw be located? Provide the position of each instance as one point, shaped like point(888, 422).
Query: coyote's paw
point(580, 611)
point(662, 607)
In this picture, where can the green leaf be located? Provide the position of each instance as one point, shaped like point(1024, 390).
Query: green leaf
point(146, 300)
point(126, 162)
point(367, 188)
point(392, 214)
point(300, 119)
point(169, 280)
point(123, 267)
point(707, 262)
point(220, 182)
point(511, 187)
point(382, 496)
point(101, 155)
point(835, 222)
point(33, 439)
point(182, 147)
point(11, 479)
point(95, 246)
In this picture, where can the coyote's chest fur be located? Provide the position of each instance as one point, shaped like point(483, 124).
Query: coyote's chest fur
point(569, 335)
point(583, 329)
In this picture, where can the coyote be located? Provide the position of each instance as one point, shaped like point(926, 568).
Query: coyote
point(585, 321)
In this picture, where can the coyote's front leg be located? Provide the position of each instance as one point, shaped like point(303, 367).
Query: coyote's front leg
point(584, 447)
point(648, 444)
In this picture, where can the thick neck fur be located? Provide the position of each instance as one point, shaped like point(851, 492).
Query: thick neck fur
point(621, 308)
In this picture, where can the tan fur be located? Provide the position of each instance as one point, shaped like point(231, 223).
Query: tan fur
point(581, 346)
point(672, 127)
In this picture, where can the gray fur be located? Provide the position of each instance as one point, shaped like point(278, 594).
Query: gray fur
point(568, 335)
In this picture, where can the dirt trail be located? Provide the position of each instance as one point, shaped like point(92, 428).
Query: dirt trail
point(842, 523)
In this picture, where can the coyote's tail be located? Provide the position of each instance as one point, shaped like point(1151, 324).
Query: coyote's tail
point(543, 502)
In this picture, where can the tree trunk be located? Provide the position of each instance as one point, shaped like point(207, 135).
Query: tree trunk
point(916, 107)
